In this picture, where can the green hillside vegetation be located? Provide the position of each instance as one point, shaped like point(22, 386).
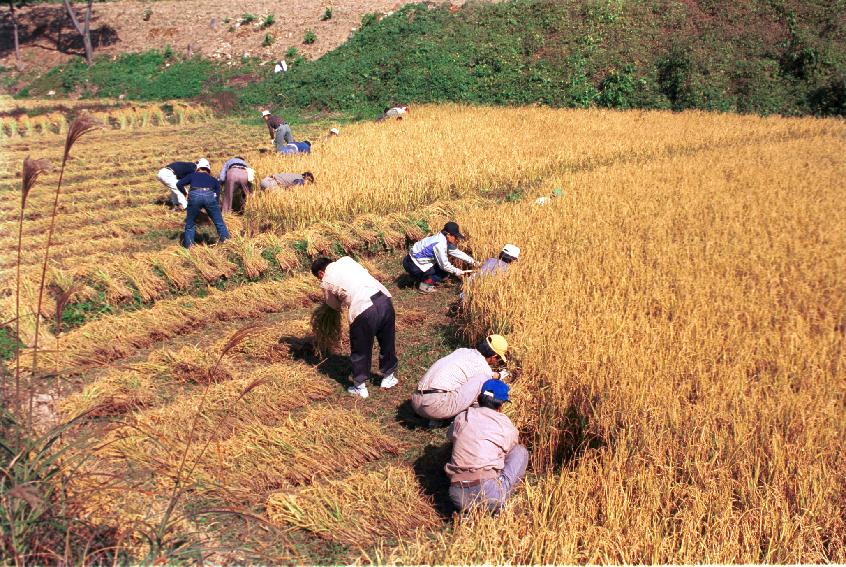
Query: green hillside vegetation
point(763, 56)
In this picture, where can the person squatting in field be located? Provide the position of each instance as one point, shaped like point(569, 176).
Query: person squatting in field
point(492, 266)
point(393, 112)
point(170, 174)
point(346, 283)
point(428, 260)
point(278, 128)
point(235, 173)
point(285, 180)
point(453, 383)
point(203, 195)
point(487, 460)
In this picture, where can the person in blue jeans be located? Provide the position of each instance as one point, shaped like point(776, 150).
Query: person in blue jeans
point(203, 195)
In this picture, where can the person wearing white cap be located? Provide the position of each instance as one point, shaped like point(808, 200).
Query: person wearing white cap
point(334, 132)
point(203, 195)
point(510, 253)
point(278, 128)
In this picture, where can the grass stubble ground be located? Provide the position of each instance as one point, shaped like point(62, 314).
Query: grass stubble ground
point(677, 318)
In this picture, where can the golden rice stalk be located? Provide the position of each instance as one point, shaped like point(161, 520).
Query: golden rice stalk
point(271, 393)
point(321, 442)
point(249, 255)
point(374, 270)
point(287, 258)
point(317, 244)
point(115, 336)
point(174, 268)
point(261, 458)
point(357, 510)
point(271, 344)
point(211, 263)
point(326, 326)
point(113, 395)
point(192, 364)
point(149, 285)
point(116, 290)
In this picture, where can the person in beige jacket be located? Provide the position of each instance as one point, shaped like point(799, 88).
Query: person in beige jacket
point(487, 460)
point(346, 283)
point(454, 381)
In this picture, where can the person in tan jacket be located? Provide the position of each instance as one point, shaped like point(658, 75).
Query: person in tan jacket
point(346, 283)
point(454, 381)
point(487, 460)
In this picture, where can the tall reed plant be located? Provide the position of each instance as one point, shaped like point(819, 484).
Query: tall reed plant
point(82, 125)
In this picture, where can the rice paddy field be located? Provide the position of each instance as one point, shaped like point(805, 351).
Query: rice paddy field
point(678, 319)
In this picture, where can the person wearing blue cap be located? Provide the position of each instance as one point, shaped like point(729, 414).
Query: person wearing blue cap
point(487, 460)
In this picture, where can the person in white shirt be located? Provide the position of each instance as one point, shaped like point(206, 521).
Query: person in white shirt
point(428, 260)
point(346, 283)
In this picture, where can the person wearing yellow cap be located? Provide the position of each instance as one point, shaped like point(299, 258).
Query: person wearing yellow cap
point(453, 383)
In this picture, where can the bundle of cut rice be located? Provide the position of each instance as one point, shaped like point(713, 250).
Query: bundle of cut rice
point(326, 326)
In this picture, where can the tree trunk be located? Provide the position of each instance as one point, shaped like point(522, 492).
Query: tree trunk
point(84, 29)
point(18, 62)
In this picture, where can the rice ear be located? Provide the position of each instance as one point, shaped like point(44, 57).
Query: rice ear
point(81, 125)
point(32, 168)
point(238, 337)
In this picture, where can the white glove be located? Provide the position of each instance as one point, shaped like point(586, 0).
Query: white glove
point(504, 375)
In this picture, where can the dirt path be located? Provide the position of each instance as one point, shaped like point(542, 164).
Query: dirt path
point(208, 27)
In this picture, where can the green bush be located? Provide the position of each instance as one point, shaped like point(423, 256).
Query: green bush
point(268, 21)
point(309, 37)
point(327, 15)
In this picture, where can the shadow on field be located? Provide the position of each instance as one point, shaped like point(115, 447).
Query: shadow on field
point(334, 366)
point(408, 418)
point(429, 469)
point(404, 281)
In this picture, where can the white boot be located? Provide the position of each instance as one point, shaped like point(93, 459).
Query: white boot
point(389, 381)
point(360, 391)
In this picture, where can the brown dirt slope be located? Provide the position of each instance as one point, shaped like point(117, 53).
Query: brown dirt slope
point(189, 26)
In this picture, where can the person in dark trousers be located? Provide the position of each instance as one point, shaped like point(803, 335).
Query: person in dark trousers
point(204, 195)
point(346, 283)
point(278, 128)
point(170, 174)
point(487, 462)
point(428, 262)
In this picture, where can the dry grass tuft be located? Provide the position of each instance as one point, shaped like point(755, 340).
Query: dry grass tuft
point(192, 364)
point(263, 398)
point(113, 395)
point(357, 510)
point(259, 458)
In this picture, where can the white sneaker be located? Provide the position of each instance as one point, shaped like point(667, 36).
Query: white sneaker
point(423, 287)
point(389, 381)
point(360, 391)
